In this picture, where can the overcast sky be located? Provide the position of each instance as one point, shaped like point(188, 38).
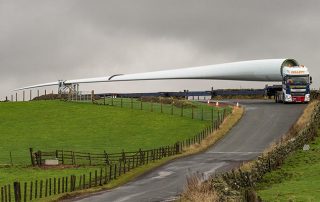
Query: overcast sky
point(43, 41)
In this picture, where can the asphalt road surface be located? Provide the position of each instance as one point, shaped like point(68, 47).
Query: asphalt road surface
point(262, 123)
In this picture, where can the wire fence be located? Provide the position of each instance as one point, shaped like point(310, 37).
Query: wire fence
point(113, 166)
point(177, 107)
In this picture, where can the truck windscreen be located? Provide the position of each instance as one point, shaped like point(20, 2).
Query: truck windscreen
point(298, 80)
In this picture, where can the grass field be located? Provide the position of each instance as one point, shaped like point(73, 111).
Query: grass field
point(200, 111)
point(50, 125)
point(297, 180)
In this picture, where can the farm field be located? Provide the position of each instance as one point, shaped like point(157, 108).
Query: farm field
point(191, 109)
point(51, 125)
point(297, 180)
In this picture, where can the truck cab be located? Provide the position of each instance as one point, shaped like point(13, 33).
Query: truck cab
point(295, 83)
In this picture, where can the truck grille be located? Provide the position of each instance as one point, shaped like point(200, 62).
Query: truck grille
point(297, 94)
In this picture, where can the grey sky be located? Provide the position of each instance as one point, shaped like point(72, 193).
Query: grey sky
point(43, 41)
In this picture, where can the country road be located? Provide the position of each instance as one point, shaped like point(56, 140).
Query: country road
point(262, 123)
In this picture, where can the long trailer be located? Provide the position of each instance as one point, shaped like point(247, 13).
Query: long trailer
point(294, 77)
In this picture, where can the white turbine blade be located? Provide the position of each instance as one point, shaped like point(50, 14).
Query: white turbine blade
point(89, 80)
point(38, 85)
point(254, 70)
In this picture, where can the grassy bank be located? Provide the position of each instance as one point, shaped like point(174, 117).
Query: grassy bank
point(297, 179)
point(50, 125)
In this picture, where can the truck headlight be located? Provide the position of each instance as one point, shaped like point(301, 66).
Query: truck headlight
point(288, 97)
point(307, 97)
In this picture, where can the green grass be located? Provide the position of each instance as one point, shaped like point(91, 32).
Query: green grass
point(26, 174)
point(50, 125)
point(297, 180)
point(201, 111)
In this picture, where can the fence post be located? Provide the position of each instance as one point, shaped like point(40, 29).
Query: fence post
point(177, 148)
point(50, 186)
point(115, 172)
point(104, 99)
point(31, 187)
point(62, 156)
point(2, 194)
point(110, 172)
point(131, 103)
point(182, 110)
point(106, 157)
point(141, 104)
point(121, 102)
point(161, 105)
point(41, 184)
point(17, 191)
point(100, 183)
point(92, 96)
point(95, 178)
point(89, 157)
point(39, 158)
point(7, 193)
point(84, 181)
point(31, 157)
point(140, 155)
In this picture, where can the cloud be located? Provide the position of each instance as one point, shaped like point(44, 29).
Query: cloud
point(43, 41)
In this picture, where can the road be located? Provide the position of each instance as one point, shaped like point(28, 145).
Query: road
point(262, 123)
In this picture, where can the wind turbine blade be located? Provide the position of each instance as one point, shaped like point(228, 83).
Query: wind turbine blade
point(89, 80)
point(254, 70)
point(38, 85)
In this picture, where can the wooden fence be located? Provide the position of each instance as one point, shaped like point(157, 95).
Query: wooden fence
point(113, 166)
point(38, 189)
point(86, 158)
point(183, 108)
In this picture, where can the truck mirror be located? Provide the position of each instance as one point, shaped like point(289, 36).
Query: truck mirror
point(310, 79)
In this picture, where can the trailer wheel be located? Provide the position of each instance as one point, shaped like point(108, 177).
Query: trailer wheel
point(283, 99)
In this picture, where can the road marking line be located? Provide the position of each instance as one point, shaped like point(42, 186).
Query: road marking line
point(162, 174)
